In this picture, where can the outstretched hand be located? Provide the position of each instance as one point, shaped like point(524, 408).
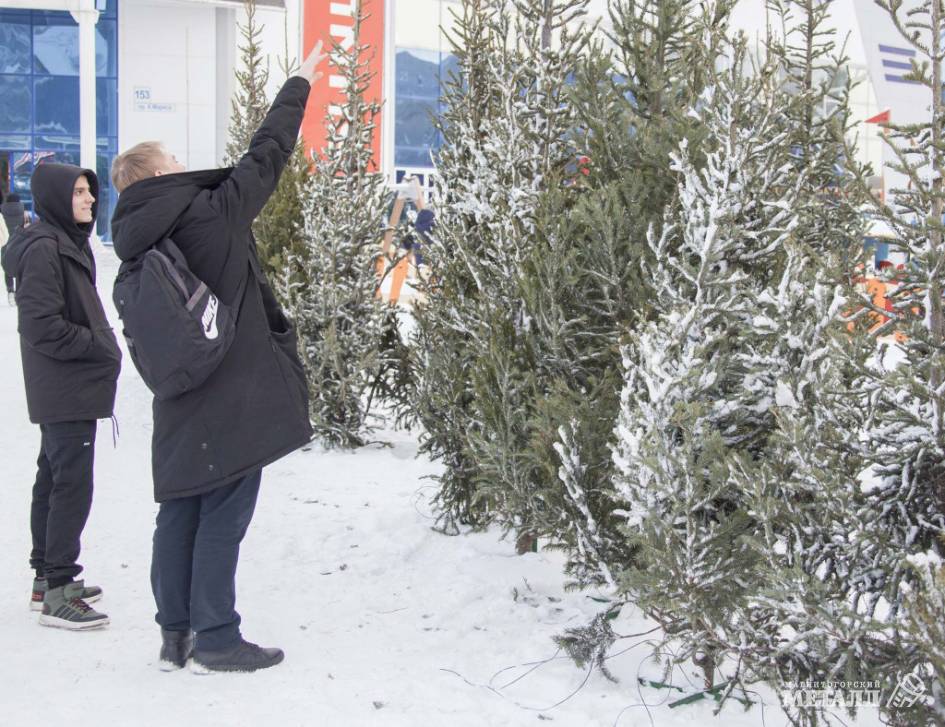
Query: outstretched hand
point(314, 59)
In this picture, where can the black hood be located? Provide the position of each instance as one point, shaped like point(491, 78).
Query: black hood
point(147, 210)
point(52, 186)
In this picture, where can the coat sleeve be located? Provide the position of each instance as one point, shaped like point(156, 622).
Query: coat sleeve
point(254, 178)
point(40, 301)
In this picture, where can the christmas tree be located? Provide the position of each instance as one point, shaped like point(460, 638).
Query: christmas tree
point(250, 103)
point(902, 499)
point(683, 428)
point(507, 128)
point(345, 331)
point(278, 228)
point(634, 99)
point(441, 347)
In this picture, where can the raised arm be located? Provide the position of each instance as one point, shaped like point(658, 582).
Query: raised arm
point(254, 178)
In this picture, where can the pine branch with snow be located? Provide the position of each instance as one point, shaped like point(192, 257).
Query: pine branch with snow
point(344, 329)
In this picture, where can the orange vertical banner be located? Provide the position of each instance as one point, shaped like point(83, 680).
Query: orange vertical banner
point(334, 22)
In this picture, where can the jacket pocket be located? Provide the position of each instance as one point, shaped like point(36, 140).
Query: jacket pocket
point(285, 349)
point(105, 348)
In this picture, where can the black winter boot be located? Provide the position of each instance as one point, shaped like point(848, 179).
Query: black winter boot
point(243, 656)
point(176, 649)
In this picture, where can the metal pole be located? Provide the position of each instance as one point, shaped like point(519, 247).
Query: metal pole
point(389, 89)
point(87, 16)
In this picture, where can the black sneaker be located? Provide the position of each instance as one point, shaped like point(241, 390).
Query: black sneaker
point(64, 608)
point(244, 656)
point(176, 648)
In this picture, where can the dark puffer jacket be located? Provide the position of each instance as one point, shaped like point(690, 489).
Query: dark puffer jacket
point(71, 360)
point(254, 408)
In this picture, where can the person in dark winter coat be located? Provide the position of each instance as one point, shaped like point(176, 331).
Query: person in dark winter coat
point(14, 218)
point(71, 362)
point(13, 212)
point(210, 444)
point(4, 236)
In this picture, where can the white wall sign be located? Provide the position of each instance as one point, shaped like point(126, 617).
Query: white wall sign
point(144, 103)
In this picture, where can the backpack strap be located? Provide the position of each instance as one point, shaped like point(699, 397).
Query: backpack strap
point(198, 294)
point(177, 257)
point(174, 252)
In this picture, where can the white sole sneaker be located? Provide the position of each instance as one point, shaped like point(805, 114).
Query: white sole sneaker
point(61, 623)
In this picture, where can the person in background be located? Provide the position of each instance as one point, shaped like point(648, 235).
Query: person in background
point(14, 218)
point(4, 236)
point(71, 362)
point(209, 444)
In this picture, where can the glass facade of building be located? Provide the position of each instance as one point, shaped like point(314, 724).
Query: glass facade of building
point(422, 61)
point(419, 74)
point(39, 97)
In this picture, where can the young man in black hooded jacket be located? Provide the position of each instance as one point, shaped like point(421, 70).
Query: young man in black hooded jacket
point(70, 366)
point(210, 443)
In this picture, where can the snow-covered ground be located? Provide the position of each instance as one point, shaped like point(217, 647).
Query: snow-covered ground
point(383, 620)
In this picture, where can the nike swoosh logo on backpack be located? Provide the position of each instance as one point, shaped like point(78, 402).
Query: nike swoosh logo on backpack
point(209, 318)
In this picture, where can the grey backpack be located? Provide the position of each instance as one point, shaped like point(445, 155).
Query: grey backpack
point(177, 330)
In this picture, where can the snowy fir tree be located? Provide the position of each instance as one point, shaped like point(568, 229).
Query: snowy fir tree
point(532, 337)
point(345, 330)
point(682, 428)
point(801, 486)
point(250, 103)
point(502, 196)
point(906, 432)
point(782, 566)
point(442, 343)
point(903, 498)
point(278, 228)
point(633, 98)
point(533, 286)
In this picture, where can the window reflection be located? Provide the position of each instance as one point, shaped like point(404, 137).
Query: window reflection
point(39, 96)
point(14, 44)
point(57, 105)
point(16, 101)
point(9, 142)
point(418, 78)
point(56, 49)
point(106, 113)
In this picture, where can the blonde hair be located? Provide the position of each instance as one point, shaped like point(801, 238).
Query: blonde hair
point(137, 163)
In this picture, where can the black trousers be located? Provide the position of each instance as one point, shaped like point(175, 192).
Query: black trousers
point(62, 499)
point(193, 566)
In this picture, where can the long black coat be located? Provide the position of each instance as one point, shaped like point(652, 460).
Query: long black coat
point(70, 357)
point(254, 408)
